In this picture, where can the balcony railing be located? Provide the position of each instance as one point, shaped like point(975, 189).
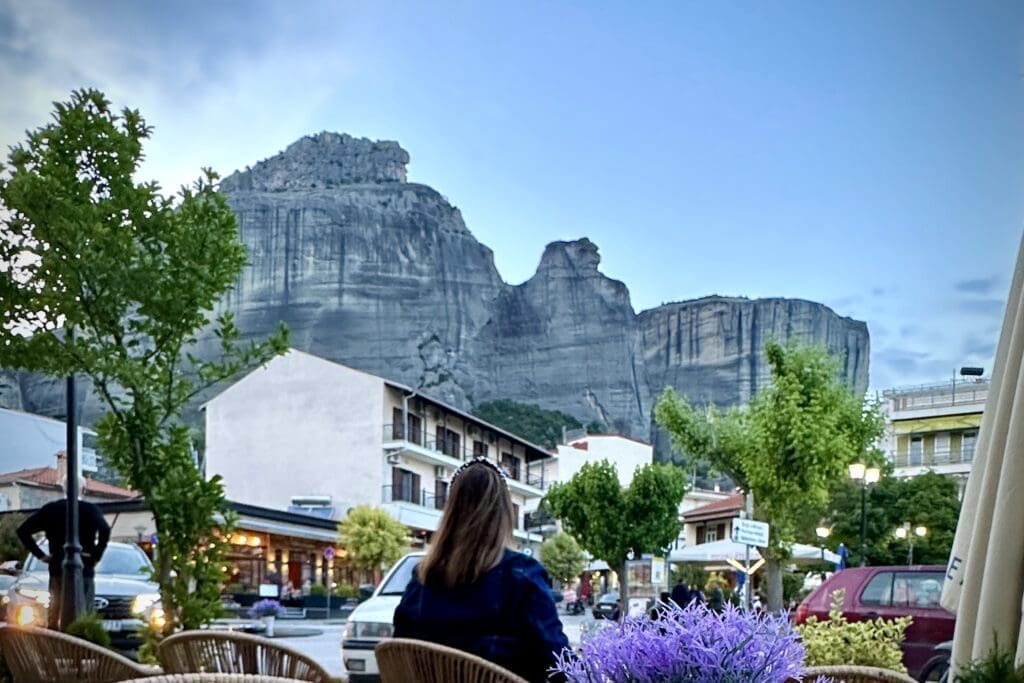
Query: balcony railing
point(943, 456)
point(531, 475)
point(422, 497)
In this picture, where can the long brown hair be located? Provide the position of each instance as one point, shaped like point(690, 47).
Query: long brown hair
point(475, 529)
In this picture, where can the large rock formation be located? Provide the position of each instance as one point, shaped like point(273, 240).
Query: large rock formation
point(382, 274)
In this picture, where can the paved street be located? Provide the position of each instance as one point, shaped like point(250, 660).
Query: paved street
point(325, 648)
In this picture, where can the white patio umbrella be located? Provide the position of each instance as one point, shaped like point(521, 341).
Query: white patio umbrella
point(720, 551)
point(985, 577)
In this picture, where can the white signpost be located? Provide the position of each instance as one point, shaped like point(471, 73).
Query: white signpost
point(750, 532)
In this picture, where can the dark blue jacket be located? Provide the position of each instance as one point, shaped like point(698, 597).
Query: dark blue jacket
point(507, 617)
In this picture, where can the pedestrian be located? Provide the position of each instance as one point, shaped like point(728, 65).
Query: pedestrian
point(93, 536)
point(661, 605)
point(696, 596)
point(716, 601)
point(472, 593)
point(681, 594)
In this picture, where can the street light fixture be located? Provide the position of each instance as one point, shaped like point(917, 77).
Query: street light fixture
point(823, 532)
point(866, 476)
point(903, 532)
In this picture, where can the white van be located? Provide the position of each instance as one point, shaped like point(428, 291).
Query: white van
point(373, 620)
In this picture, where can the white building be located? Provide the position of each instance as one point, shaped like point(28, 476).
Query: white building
point(303, 426)
point(29, 441)
point(934, 427)
point(624, 453)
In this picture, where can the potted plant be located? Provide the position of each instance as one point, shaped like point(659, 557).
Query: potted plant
point(267, 611)
point(692, 644)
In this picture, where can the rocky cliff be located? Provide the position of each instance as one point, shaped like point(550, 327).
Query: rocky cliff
point(382, 274)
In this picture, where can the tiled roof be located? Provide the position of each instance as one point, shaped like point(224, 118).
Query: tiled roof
point(49, 477)
point(725, 507)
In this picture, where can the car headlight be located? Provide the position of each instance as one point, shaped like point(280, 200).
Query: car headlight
point(368, 629)
point(143, 602)
point(40, 595)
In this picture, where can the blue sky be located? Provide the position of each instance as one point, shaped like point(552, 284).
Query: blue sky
point(867, 155)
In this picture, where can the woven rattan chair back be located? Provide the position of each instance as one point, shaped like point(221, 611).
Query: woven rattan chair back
point(235, 653)
point(38, 655)
point(857, 674)
point(401, 660)
point(212, 678)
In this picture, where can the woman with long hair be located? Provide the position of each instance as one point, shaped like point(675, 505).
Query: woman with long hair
point(472, 592)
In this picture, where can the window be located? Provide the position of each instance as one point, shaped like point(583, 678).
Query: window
point(405, 485)
point(920, 590)
point(968, 445)
point(710, 534)
point(440, 493)
point(515, 516)
point(398, 422)
point(479, 449)
point(916, 450)
point(448, 442)
point(878, 591)
point(510, 464)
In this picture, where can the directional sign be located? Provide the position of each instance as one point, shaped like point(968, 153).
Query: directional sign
point(738, 566)
point(750, 532)
point(329, 553)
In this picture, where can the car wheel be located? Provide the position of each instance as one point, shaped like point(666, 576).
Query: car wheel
point(935, 669)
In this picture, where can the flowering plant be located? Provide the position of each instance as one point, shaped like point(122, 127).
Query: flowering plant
point(266, 608)
point(692, 645)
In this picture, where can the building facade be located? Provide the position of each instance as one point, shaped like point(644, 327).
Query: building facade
point(934, 427)
point(28, 441)
point(303, 427)
point(31, 488)
point(624, 453)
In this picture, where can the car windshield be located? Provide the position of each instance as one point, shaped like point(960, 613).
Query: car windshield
point(118, 559)
point(400, 578)
point(609, 598)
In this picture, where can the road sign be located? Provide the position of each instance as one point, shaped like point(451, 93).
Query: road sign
point(750, 532)
point(329, 553)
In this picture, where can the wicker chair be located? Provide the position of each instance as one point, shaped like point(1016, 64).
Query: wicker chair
point(856, 674)
point(38, 655)
point(212, 678)
point(401, 660)
point(235, 653)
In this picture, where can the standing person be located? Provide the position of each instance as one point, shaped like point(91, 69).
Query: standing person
point(472, 592)
point(93, 536)
point(696, 596)
point(681, 594)
point(716, 601)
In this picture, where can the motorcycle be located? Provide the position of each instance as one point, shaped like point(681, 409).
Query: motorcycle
point(937, 668)
point(575, 607)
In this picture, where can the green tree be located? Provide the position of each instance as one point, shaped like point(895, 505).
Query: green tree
point(788, 447)
point(562, 556)
point(531, 422)
point(10, 545)
point(930, 500)
point(372, 538)
point(136, 275)
point(609, 521)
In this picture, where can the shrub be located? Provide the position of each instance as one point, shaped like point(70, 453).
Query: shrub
point(995, 667)
point(874, 642)
point(89, 627)
point(318, 590)
point(692, 644)
point(346, 591)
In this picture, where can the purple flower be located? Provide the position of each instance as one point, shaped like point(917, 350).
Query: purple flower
point(689, 645)
point(265, 608)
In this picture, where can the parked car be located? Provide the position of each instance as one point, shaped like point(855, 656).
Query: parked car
point(608, 607)
point(6, 581)
point(125, 597)
point(373, 621)
point(890, 592)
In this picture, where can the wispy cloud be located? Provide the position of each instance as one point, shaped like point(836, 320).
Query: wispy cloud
point(979, 286)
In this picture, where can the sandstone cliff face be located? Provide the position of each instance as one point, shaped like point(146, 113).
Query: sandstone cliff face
point(383, 275)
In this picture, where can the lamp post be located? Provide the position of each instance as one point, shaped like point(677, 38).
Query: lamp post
point(903, 532)
point(866, 476)
point(72, 594)
point(823, 532)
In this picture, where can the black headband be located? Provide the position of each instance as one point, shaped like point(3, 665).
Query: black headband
point(478, 460)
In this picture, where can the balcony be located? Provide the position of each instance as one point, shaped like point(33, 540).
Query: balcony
point(418, 509)
point(527, 481)
point(939, 459)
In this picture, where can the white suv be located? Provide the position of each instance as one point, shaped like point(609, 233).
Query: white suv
point(373, 621)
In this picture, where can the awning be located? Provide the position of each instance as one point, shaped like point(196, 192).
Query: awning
point(720, 551)
point(284, 529)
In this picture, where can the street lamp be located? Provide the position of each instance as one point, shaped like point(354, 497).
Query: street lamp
point(823, 532)
point(866, 476)
point(903, 532)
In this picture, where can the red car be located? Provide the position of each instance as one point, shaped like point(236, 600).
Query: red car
point(890, 592)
